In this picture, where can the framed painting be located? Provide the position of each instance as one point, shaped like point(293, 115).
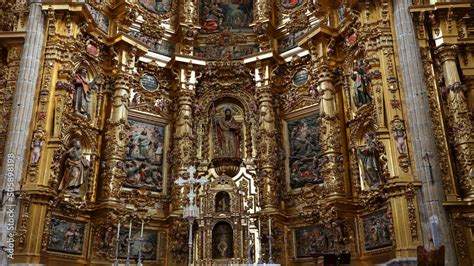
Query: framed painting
point(233, 15)
point(376, 230)
point(157, 6)
point(311, 240)
point(148, 246)
point(304, 151)
point(144, 155)
point(66, 236)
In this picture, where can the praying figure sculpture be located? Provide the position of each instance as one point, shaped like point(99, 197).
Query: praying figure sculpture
point(228, 135)
point(361, 84)
point(76, 169)
point(82, 93)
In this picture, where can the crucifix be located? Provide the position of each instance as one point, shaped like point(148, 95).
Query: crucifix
point(191, 211)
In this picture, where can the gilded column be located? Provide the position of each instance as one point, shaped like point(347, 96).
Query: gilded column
point(117, 127)
point(184, 151)
point(459, 119)
point(433, 217)
point(266, 140)
point(330, 123)
point(23, 102)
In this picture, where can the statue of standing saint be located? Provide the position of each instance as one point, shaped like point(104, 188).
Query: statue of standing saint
point(361, 84)
point(228, 135)
point(76, 169)
point(369, 161)
point(82, 96)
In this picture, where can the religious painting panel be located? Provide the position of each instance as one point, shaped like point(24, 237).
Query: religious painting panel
point(290, 41)
point(144, 156)
point(164, 48)
point(66, 236)
point(157, 6)
point(100, 19)
point(312, 240)
point(303, 136)
point(291, 4)
point(376, 230)
point(233, 15)
point(148, 246)
point(218, 52)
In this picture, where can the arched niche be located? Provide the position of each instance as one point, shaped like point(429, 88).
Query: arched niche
point(222, 241)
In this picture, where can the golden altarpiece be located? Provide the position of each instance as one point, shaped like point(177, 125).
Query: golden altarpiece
point(323, 127)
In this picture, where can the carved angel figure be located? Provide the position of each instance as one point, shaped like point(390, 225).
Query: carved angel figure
point(36, 145)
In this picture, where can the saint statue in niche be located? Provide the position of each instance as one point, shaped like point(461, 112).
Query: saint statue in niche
point(77, 169)
point(222, 202)
point(228, 135)
point(361, 84)
point(82, 93)
point(369, 161)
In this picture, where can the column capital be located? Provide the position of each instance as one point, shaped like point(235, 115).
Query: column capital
point(447, 52)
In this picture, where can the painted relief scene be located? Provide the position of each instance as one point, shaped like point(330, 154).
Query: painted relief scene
point(377, 230)
point(148, 246)
point(144, 156)
point(66, 236)
point(303, 135)
point(157, 6)
point(312, 240)
point(216, 52)
point(234, 15)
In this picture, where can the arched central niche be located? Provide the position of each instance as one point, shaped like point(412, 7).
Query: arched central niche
point(222, 241)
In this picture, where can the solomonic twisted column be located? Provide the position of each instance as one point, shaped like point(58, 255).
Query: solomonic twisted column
point(459, 119)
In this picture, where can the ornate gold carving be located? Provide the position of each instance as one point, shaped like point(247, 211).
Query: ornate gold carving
point(410, 196)
point(436, 120)
point(298, 21)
